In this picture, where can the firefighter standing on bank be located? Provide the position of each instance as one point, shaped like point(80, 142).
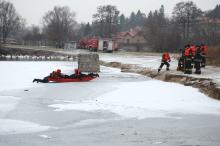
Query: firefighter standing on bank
point(198, 60)
point(193, 49)
point(188, 60)
point(204, 50)
point(165, 61)
point(180, 66)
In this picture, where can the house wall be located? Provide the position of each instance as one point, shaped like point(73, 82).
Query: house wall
point(132, 40)
point(69, 46)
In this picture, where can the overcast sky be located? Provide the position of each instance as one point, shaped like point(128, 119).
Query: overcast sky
point(33, 10)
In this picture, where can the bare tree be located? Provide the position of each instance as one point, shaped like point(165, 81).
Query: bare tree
point(59, 25)
point(9, 19)
point(184, 14)
point(1, 23)
point(107, 18)
point(32, 35)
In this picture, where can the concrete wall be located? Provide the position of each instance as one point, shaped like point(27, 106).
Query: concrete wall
point(69, 46)
point(89, 63)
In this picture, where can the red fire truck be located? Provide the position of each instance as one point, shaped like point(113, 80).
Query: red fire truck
point(93, 44)
point(106, 45)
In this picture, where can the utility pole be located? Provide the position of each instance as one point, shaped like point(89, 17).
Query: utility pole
point(188, 22)
point(188, 26)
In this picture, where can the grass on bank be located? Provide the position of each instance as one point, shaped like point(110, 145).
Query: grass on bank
point(213, 56)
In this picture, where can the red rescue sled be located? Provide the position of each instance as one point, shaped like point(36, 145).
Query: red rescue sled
point(64, 80)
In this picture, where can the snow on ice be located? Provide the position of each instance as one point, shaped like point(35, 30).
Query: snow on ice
point(19, 75)
point(148, 99)
point(7, 103)
point(8, 126)
point(126, 95)
point(153, 62)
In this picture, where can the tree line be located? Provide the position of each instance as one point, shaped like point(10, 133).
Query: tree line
point(108, 21)
point(161, 32)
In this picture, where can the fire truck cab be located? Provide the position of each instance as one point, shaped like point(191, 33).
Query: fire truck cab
point(105, 45)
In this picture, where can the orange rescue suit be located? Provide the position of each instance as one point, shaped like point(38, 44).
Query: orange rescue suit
point(188, 52)
point(204, 49)
point(77, 71)
point(166, 57)
point(193, 49)
point(54, 74)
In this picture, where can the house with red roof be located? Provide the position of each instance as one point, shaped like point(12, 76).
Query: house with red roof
point(132, 37)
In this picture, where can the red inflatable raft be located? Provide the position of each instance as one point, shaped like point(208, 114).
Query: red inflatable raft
point(63, 80)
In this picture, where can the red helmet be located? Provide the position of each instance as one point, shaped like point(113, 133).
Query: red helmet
point(77, 71)
point(58, 71)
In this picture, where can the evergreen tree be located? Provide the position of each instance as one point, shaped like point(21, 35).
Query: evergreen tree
point(87, 30)
point(122, 22)
point(215, 13)
point(132, 20)
point(140, 18)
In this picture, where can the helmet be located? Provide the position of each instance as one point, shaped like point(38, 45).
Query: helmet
point(77, 71)
point(58, 71)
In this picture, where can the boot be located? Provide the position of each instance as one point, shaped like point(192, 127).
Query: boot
point(190, 71)
point(159, 70)
point(198, 72)
point(34, 80)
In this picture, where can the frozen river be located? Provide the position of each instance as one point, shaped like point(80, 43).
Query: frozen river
point(116, 109)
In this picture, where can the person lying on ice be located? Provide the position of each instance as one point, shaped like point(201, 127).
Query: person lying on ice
point(79, 74)
point(165, 60)
point(58, 75)
point(54, 74)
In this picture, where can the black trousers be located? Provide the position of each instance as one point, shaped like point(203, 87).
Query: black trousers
point(203, 61)
point(164, 63)
point(180, 64)
point(198, 64)
point(44, 80)
point(188, 66)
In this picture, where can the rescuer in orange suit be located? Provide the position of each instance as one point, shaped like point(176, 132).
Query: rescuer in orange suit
point(59, 74)
point(45, 79)
point(188, 60)
point(204, 50)
point(193, 48)
point(55, 74)
point(77, 74)
point(165, 61)
point(198, 60)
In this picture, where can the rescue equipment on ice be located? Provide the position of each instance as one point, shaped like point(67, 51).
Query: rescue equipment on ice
point(58, 77)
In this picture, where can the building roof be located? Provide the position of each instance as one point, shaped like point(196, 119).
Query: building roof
point(132, 33)
point(207, 20)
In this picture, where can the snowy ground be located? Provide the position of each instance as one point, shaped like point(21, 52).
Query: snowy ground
point(116, 109)
point(153, 62)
